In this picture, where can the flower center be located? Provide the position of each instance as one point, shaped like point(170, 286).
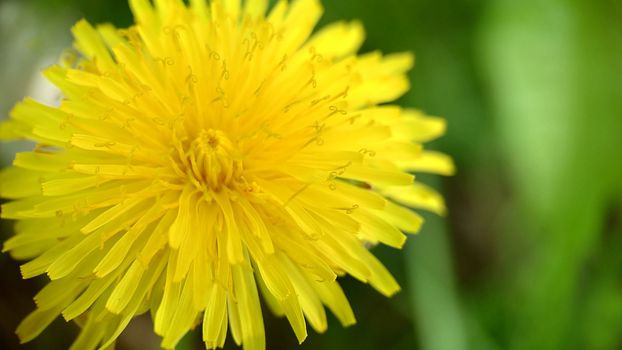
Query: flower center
point(213, 160)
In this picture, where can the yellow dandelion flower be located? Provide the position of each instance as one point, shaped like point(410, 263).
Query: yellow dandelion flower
point(205, 156)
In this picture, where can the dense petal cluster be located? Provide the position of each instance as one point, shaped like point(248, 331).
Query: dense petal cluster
point(210, 154)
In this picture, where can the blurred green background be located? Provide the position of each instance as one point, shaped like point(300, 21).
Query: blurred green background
point(530, 254)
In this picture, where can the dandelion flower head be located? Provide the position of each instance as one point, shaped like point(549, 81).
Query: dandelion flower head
point(208, 155)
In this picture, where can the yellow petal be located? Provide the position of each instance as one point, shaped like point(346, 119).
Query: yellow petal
point(417, 196)
point(403, 218)
point(309, 301)
point(333, 297)
point(215, 315)
point(91, 45)
point(337, 40)
point(19, 183)
point(67, 262)
point(255, 8)
point(251, 320)
point(417, 127)
point(184, 315)
point(170, 299)
point(429, 162)
point(379, 229)
point(126, 288)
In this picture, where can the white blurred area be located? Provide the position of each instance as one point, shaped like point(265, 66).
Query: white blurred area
point(31, 39)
